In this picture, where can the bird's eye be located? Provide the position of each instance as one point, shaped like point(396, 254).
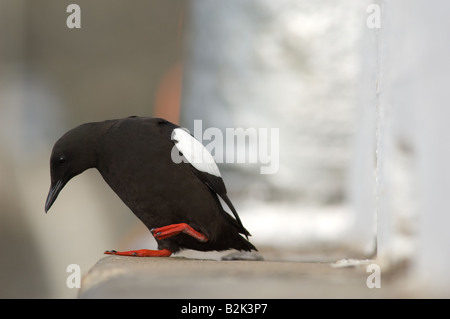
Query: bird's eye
point(62, 159)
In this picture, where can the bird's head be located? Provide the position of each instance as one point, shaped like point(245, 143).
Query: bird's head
point(72, 154)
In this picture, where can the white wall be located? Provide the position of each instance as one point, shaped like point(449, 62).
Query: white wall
point(291, 65)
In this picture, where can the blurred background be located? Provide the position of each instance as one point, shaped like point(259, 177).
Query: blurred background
point(351, 162)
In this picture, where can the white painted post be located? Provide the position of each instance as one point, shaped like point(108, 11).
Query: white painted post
point(414, 158)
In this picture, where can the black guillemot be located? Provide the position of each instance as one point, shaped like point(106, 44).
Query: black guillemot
point(174, 191)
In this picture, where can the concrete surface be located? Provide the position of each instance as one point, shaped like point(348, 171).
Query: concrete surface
point(181, 277)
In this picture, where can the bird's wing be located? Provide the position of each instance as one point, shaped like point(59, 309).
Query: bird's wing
point(205, 167)
point(194, 152)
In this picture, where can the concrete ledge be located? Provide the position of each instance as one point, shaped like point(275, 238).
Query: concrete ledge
point(180, 277)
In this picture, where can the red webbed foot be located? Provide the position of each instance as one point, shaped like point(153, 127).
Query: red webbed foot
point(175, 229)
point(141, 253)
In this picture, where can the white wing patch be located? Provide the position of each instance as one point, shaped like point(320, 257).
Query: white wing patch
point(195, 152)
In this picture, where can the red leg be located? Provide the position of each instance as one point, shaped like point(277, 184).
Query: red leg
point(175, 229)
point(141, 253)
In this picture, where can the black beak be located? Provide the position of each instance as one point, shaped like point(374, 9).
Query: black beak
point(53, 194)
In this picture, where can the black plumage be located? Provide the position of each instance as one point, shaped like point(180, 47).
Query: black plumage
point(133, 155)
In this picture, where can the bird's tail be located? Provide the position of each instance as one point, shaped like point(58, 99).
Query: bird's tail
point(245, 245)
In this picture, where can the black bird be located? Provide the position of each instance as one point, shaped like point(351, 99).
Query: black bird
point(162, 173)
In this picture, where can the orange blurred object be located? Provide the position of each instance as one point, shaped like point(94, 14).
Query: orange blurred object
point(168, 94)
